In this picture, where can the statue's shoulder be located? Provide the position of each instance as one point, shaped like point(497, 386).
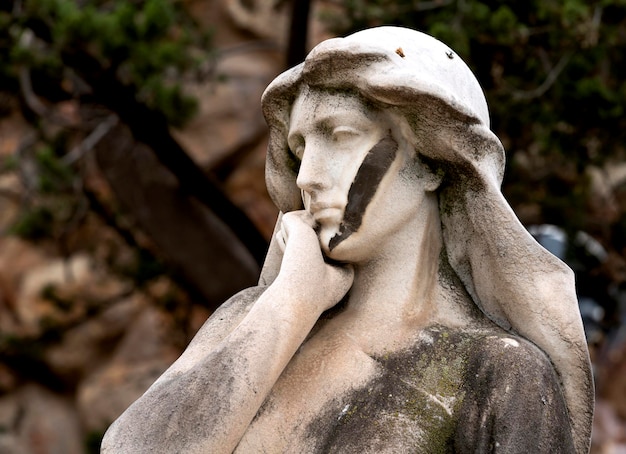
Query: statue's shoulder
point(512, 397)
point(486, 358)
point(502, 389)
point(487, 342)
point(498, 352)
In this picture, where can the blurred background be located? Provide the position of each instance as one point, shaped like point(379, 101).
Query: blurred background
point(132, 195)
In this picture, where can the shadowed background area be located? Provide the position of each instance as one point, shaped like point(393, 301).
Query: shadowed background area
point(132, 195)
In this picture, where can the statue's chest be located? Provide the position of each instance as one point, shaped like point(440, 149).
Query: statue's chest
point(334, 398)
point(323, 370)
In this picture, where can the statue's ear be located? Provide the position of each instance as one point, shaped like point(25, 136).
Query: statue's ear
point(430, 175)
point(432, 179)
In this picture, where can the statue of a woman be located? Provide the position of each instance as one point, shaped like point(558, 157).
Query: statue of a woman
point(402, 306)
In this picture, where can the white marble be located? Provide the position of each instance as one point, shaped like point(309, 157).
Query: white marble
point(402, 306)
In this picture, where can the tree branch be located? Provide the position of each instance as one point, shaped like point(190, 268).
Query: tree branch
point(151, 128)
point(32, 100)
point(298, 32)
point(525, 95)
point(91, 140)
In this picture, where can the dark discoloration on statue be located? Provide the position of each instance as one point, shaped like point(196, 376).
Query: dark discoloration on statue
point(402, 306)
point(371, 172)
point(437, 396)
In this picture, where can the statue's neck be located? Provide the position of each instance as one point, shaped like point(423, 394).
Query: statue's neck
point(404, 289)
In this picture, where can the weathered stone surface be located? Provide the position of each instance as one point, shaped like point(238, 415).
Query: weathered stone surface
point(455, 391)
point(403, 306)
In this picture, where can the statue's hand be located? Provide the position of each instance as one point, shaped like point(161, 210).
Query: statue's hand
point(304, 273)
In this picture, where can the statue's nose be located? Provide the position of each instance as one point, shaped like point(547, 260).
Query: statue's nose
point(316, 172)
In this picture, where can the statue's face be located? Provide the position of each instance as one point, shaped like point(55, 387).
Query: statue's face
point(359, 178)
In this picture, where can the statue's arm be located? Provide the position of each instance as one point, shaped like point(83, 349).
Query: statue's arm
point(206, 400)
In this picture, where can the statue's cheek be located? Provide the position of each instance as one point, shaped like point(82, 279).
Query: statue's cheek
point(371, 172)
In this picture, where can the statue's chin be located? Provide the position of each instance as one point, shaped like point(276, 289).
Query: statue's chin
point(339, 251)
point(325, 235)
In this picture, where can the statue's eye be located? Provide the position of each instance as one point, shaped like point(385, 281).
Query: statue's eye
point(341, 133)
point(294, 160)
point(296, 147)
point(297, 152)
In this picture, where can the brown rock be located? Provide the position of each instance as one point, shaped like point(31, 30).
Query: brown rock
point(17, 258)
point(227, 119)
point(148, 348)
point(86, 346)
point(34, 420)
point(612, 386)
point(33, 307)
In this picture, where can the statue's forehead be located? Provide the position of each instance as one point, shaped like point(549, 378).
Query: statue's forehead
point(315, 94)
point(315, 103)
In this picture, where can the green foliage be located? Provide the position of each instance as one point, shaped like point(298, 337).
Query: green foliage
point(143, 268)
point(93, 441)
point(54, 176)
point(54, 199)
point(146, 43)
point(554, 73)
point(34, 223)
point(147, 47)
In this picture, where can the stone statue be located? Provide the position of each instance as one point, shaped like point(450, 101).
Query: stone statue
point(402, 306)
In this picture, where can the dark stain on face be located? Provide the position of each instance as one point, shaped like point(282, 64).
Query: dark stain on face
point(364, 186)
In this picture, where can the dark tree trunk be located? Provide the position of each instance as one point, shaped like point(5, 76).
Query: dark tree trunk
point(150, 127)
point(200, 247)
point(298, 32)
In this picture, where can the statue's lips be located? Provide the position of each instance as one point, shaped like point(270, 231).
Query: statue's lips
point(327, 214)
